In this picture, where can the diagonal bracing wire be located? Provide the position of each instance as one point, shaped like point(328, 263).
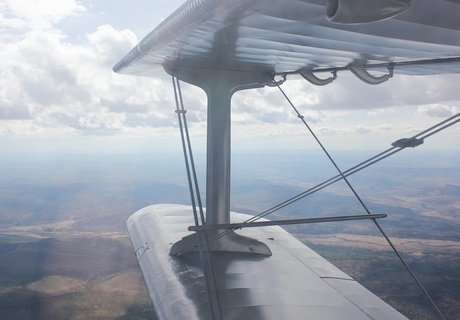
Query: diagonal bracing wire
point(342, 176)
point(182, 112)
point(186, 148)
point(377, 158)
point(302, 118)
point(203, 244)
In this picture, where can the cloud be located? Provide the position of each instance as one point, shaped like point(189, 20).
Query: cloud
point(52, 82)
point(110, 44)
point(437, 110)
point(56, 82)
point(14, 112)
point(33, 14)
point(268, 106)
point(363, 130)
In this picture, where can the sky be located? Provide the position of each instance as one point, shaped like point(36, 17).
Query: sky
point(58, 91)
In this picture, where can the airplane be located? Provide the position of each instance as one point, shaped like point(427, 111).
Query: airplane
point(205, 262)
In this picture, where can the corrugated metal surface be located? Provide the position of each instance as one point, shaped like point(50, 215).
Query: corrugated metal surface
point(293, 283)
point(289, 35)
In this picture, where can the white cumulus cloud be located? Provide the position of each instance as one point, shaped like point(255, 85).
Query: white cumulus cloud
point(437, 110)
point(54, 82)
point(37, 14)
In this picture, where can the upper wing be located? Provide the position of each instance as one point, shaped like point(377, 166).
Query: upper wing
point(282, 36)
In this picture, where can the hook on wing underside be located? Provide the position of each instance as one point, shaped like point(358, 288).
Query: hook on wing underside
point(361, 70)
point(362, 74)
point(313, 79)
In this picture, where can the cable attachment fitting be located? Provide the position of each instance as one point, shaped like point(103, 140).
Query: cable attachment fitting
point(141, 250)
point(181, 111)
point(276, 83)
point(301, 117)
point(407, 143)
point(390, 69)
point(362, 74)
point(313, 79)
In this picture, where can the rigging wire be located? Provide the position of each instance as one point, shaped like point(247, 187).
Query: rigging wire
point(203, 243)
point(192, 162)
point(344, 174)
point(341, 176)
point(185, 147)
point(203, 240)
point(377, 158)
point(302, 118)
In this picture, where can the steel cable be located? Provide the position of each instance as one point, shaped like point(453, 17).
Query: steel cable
point(363, 165)
point(395, 250)
point(203, 243)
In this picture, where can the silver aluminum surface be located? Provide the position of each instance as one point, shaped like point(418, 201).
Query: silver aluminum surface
point(294, 283)
point(291, 35)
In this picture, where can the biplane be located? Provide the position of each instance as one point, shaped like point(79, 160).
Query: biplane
point(205, 262)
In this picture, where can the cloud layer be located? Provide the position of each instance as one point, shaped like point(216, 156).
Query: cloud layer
point(52, 82)
point(56, 83)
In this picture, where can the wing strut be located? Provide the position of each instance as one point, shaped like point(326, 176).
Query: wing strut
point(219, 87)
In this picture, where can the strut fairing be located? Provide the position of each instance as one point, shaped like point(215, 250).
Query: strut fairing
point(294, 283)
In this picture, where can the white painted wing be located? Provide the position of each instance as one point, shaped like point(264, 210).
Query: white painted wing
point(295, 283)
point(279, 36)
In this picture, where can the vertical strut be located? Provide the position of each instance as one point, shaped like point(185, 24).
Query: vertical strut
point(220, 85)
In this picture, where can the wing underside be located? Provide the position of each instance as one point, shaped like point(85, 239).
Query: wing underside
point(283, 36)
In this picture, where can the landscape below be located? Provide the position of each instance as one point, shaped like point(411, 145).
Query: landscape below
point(65, 253)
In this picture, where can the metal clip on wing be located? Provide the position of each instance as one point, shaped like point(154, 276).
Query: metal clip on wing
point(313, 79)
point(276, 83)
point(364, 75)
point(141, 250)
point(407, 143)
